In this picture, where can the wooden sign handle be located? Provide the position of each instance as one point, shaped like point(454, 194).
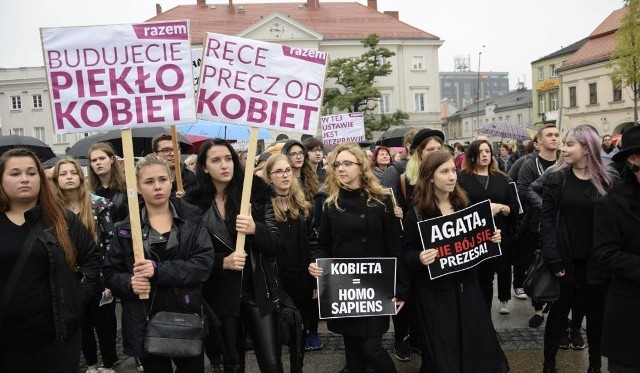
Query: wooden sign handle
point(248, 183)
point(176, 159)
point(132, 198)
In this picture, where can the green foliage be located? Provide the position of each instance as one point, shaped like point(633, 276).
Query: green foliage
point(625, 59)
point(356, 78)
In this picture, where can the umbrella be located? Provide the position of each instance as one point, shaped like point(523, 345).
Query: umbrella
point(221, 130)
point(393, 137)
point(142, 137)
point(81, 147)
point(196, 142)
point(505, 130)
point(52, 162)
point(42, 150)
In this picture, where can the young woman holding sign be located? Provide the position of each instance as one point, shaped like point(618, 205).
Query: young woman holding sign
point(358, 222)
point(244, 288)
point(178, 259)
point(455, 326)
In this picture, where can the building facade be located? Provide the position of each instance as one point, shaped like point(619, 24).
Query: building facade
point(461, 87)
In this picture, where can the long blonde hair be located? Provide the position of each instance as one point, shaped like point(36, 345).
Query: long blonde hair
point(368, 181)
point(298, 204)
point(86, 212)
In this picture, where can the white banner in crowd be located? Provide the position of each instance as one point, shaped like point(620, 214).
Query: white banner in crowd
point(261, 84)
point(340, 128)
point(119, 76)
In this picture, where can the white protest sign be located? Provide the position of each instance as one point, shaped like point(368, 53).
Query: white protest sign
point(119, 76)
point(261, 84)
point(340, 128)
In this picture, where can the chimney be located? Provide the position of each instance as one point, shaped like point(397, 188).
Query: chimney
point(313, 3)
point(392, 13)
point(231, 8)
point(373, 4)
point(158, 9)
point(201, 2)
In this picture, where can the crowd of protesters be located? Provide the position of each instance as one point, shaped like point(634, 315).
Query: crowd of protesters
point(67, 257)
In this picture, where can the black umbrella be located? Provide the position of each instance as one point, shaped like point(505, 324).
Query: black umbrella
point(142, 137)
point(42, 150)
point(52, 162)
point(393, 137)
point(80, 149)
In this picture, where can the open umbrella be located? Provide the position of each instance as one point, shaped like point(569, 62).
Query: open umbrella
point(81, 147)
point(42, 150)
point(142, 137)
point(393, 137)
point(221, 130)
point(506, 130)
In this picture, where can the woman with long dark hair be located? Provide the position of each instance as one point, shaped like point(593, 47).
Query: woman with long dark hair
point(178, 259)
point(244, 288)
point(41, 312)
point(95, 214)
point(106, 179)
point(569, 193)
point(455, 327)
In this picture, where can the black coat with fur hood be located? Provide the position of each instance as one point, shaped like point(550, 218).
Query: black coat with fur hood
point(259, 282)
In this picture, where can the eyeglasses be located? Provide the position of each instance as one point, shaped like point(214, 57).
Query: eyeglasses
point(165, 151)
point(296, 154)
point(347, 164)
point(282, 173)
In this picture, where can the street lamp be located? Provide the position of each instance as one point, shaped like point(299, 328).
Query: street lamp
point(478, 92)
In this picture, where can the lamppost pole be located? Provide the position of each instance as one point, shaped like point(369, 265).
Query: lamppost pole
point(478, 92)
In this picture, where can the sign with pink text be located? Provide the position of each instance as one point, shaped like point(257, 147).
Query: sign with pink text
point(261, 84)
point(340, 128)
point(119, 76)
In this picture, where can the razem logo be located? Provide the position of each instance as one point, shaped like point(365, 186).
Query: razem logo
point(178, 30)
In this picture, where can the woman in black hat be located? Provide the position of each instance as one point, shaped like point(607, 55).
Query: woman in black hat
point(617, 249)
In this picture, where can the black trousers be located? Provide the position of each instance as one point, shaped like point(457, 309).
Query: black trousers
point(103, 320)
point(361, 353)
point(593, 297)
point(55, 357)
point(486, 274)
point(161, 364)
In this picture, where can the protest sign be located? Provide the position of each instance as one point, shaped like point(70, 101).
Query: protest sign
point(261, 84)
point(356, 287)
point(118, 76)
point(341, 128)
point(463, 239)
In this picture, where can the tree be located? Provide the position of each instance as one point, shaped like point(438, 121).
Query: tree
point(356, 77)
point(625, 59)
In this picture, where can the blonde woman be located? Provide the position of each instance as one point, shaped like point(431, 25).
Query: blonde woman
point(95, 214)
point(358, 221)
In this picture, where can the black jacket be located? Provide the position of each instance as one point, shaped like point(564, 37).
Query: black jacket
point(181, 276)
point(224, 289)
point(530, 171)
point(616, 239)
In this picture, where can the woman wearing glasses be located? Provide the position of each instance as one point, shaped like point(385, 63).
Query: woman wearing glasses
point(358, 222)
point(292, 212)
point(301, 167)
point(244, 288)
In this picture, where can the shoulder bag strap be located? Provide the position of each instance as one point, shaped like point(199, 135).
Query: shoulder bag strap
point(17, 268)
point(403, 186)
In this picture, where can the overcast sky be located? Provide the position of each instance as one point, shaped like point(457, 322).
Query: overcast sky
point(514, 32)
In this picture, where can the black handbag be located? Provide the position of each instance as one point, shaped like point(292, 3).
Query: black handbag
point(540, 284)
point(174, 334)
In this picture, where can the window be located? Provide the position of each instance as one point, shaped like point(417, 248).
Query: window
point(385, 104)
point(519, 118)
point(39, 133)
point(16, 103)
point(573, 98)
point(381, 61)
point(37, 101)
point(61, 138)
point(593, 93)
point(617, 94)
point(552, 71)
point(553, 101)
point(542, 105)
point(18, 131)
point(507, 118)
point(540, 73)
point(418, 102)
point(417, 63)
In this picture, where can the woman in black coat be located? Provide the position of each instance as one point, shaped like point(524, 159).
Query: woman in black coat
point(455, 327)
point(244, 288)
point(358, 222)
point(178, 259)
point(481, 180)
point(616, 248)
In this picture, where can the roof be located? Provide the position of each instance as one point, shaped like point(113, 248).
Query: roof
point(335, 21)
point(566, 50)
point(510, 101)
point(599, 46)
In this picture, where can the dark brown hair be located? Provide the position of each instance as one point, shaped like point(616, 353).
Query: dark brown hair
point(424, 196)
